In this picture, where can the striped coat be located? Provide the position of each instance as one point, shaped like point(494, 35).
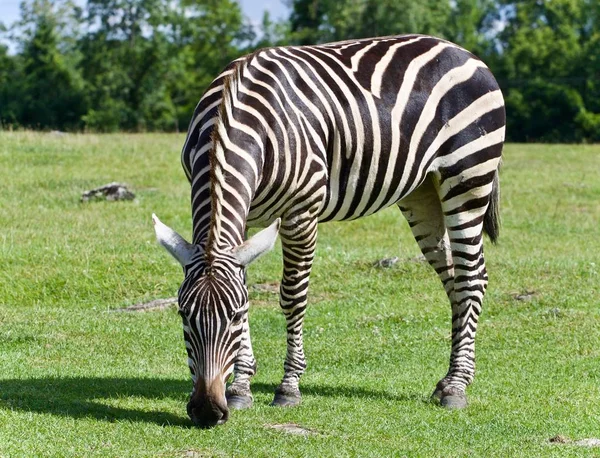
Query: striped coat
point(335, 132)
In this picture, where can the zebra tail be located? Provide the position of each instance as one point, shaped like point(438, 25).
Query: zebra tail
point(491, 219)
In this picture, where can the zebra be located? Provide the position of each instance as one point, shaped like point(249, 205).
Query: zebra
point(287, 137)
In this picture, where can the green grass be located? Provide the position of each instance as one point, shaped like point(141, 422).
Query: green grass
point(77, 379)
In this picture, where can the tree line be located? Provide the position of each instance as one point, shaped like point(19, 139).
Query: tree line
point(142, 65)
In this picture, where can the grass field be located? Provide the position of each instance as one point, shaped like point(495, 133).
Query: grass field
point(78, 379)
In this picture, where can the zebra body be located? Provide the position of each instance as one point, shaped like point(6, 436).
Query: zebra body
point(335, 132)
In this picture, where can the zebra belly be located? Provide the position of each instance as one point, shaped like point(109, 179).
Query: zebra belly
point(352, 202)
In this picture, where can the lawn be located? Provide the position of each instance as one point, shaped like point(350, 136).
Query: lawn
point(78, 378)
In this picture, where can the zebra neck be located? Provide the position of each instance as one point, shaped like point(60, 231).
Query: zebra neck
point(235, 164)
point(230, 196)
point(218, 209)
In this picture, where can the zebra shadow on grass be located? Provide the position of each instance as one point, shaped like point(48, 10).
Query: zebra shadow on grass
point(343, 391)
point(97, 397)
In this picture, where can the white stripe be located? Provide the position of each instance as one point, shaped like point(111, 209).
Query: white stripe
point(384, 62)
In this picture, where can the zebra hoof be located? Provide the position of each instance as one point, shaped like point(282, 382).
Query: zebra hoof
point(237, 402)
point(283, 400)
point(449, 397)
point(286, 397)
point(454, 401)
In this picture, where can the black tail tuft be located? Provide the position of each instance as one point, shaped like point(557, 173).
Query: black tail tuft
point(491, 219)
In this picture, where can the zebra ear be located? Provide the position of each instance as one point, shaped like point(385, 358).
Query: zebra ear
point(173, 242)
point(257, 245)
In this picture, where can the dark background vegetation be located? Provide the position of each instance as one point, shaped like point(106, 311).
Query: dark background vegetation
point(142, 65)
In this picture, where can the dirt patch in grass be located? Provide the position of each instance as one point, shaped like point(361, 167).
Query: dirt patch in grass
point(193, 453)
point(590, 442)
point(554, 312)
point(524, 296)
point(271, 287)
point(387, 263)
point(156, 304)
point(292, 428)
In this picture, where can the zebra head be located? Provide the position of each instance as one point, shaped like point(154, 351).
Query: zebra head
point(213, 304)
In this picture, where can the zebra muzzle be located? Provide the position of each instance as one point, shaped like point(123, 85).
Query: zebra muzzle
point(209, 408)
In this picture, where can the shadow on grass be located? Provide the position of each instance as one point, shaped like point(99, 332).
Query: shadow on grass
point(342, 391)
point(83, 398)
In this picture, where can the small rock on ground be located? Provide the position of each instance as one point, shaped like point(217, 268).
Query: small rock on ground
point(524, 297)
point(386, 262)
point(111, 191)
point(558, 439)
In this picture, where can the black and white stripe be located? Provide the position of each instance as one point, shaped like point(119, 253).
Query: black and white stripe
point(335, 132)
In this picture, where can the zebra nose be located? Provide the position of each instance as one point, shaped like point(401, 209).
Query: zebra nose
point(208, 414)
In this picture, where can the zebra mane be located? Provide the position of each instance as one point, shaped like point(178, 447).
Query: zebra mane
point(216, 157)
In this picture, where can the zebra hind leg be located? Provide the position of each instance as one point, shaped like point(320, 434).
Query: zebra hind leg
point(423, 211)
point(298, 238)
point(464, 199)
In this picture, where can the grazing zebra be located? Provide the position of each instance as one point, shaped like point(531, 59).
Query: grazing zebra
point(291, 136)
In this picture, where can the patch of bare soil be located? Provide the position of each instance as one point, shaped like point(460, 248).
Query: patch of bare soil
point(266, 295)
point(554, 312)
point(192, 453)
point(259, 292)
point(387, 263)
point(524, 296)
point(156, 304)
point(269, 287)
point(292, 428)
point(590, 442)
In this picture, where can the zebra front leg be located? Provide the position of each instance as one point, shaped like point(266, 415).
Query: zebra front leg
point(298, 238)
point(238, 393)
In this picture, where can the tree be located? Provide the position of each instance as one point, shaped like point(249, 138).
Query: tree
point(466, 22)
point(542, 65)
point(50, 90)
point(210, 34)
point(147, 62)
point(125, 65)
point(472, 24)
point(9, 109)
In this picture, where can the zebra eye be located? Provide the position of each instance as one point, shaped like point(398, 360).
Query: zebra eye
point(237, 318)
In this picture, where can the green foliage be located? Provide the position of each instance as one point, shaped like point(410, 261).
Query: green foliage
point(545, 54)
point(316, 21)
point(50, 91)
point(209, 35)
point(142, 65)
point(543, 64)
point(132, 65)
point(543, 111)
point(470, 23)
point(9, 105)
point(78, 379)
point(589, 123)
